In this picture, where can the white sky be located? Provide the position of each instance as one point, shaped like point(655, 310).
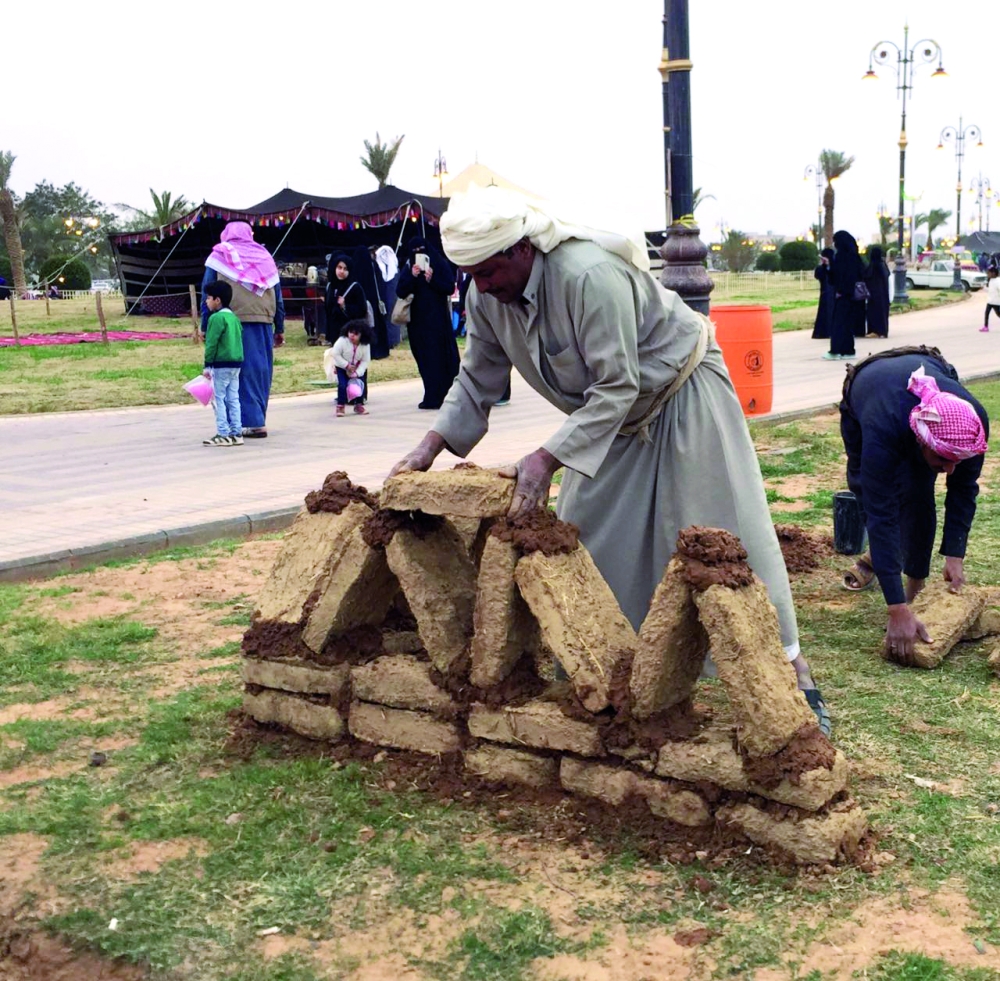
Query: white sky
point(559, 96)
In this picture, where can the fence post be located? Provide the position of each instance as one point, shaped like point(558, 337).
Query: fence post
point(48, 312)
point(13, 319)
point(100, 317)
point(195, 318)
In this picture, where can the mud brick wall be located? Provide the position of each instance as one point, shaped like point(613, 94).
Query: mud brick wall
point(435, 633)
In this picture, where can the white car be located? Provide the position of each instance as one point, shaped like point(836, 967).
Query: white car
point(940, 274)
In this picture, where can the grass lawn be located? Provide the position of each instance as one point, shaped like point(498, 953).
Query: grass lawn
point(94, 376)
point(197, 860)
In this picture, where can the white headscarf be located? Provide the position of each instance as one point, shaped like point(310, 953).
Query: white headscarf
point(487, 220)
point(388, 264)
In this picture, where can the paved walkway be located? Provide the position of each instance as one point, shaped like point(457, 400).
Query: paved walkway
point(77, 481)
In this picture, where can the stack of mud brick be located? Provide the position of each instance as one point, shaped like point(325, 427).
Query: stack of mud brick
point(428, 622)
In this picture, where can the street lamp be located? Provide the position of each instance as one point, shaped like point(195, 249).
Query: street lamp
point(980, 186)
point(925, 52)
point(815, 170)
point(440, 172)
point(959, 136)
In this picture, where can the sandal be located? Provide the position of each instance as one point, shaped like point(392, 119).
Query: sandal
point(861, 577)
point(255, 434)
point(816, 703)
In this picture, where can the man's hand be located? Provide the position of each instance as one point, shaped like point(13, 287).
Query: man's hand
point(421, 456)
point(954, 573)
point(902, 633)
point(279, 340)
point(207, 372)
point(534, 477)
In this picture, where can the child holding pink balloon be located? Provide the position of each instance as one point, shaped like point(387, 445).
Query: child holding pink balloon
point(223, 360)
point(348, 361)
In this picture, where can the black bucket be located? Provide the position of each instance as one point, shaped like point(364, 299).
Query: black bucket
point(848, 524)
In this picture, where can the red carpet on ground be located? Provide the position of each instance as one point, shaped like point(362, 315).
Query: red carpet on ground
point(30, 340)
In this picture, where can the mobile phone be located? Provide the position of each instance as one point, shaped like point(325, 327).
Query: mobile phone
point(422, 260)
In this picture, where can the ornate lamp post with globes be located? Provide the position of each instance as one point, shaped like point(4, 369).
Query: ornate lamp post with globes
point(815, 170)
point(906, 60)
point(959, 135)
point(980, 187)
point(440, 172)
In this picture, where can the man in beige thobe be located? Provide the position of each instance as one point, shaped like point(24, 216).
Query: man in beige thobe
point(654, 439)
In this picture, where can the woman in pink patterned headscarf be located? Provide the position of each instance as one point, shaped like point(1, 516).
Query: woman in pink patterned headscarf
point(905, 419)
point(251, 272)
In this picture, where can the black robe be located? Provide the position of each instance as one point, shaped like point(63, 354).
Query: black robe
point(367, 275)
point(824, 312)
point(432, 340)
point(848, 319)
point(877, 307)
point(355, 302)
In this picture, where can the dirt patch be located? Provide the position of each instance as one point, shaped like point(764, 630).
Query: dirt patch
point(797, 486)
point(336, 493)
point(20, 856)
point(273, 639)
point(379, 529)
point(809, 750)
point(933, 925)
point(713, 557)
point(52, 708)
point(148, 856)
point(538, 531)
point(803, 551)
point(34, 956)
point(33, 774)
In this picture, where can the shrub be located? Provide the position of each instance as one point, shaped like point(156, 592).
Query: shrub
point(768, 262)
point(799, 255)
point(75, 276)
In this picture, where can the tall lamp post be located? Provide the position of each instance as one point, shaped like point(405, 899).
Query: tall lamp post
point(959, 136)
point(683, 251)
point(440, 172)
point(980, 186)
point(907, 58)
point(815, 170)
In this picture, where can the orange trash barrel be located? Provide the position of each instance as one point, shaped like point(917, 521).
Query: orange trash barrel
point(744, 334)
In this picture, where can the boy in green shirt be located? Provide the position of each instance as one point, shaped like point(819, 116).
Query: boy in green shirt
point(223, 360)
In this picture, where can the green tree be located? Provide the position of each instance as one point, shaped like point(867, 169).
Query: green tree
point(768, 262)
point(61, 220)
point(166, 208)
point(886, 226)
point(738, 253)
point(796, 256)
point(698, 199)
point(66, 273)
point(380, 158)
point(935, 219)
point(10, 219)
point(834, 164)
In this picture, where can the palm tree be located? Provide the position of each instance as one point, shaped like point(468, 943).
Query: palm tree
point(166, 208)
point(697, 199)
point(936, 218)
point(11, 229)
point(381, 157)
point(833, 163)
point(886, 223)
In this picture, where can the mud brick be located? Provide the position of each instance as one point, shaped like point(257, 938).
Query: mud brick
point(401, 642)
point(301, 716)
point(512, 767)
point(809, 838)
point(947, 616)
point(580, 621)
point(303, 564)
point(711, 758)
point(987, 624)
point(402, 729)
point(467, 493)
point(294, 675)
point(357, 589)
point(503, 627)
point(613, 785)
point(401, 682)
point(468, 531)
point(743, 628)
point(993, 659)
point(538, 724)
point(439, 582)
point(672, 647)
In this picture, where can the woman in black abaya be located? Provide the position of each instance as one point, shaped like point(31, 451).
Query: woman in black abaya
point(345, 297)
point(848, 322)
point(430, 281)
point(877, 307)
point(364, 271)
point(824, 312)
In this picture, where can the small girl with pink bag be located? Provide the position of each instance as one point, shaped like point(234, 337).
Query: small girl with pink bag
point(347, 363)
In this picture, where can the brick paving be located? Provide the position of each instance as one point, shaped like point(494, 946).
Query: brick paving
point(72, 480)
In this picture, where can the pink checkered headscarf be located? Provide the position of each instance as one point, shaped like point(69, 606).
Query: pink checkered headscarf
point(239, 258)
point(946, 424)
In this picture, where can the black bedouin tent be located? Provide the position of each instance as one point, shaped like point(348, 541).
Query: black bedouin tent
point(981, 242)
point(156, 266)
